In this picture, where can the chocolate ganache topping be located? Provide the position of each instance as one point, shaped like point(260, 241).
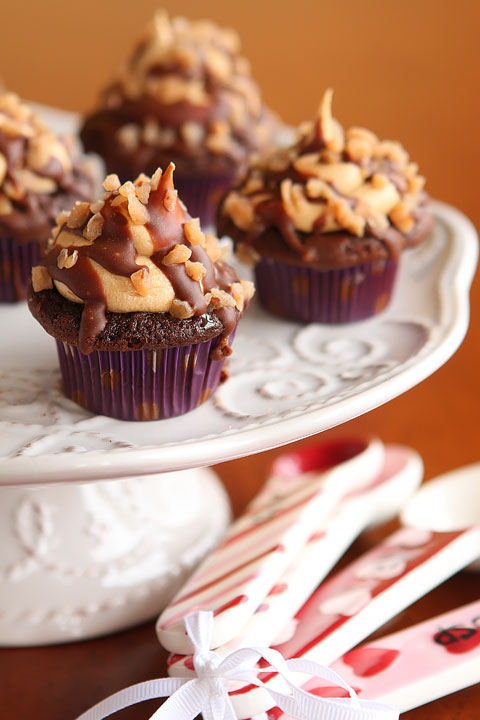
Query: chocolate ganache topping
point(40, 174)
point(137, 250)
point(187, 92)
point(334, 199)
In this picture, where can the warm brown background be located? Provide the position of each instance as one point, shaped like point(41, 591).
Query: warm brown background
point(409, 71)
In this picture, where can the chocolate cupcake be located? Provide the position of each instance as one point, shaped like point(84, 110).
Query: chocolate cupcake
point(325, 221)
point(40, 175)
point(139, 300)
point(187, 96)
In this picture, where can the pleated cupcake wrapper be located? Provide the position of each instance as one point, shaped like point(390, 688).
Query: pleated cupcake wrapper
point(332, 296)
point(140, 384)
point(201, 195)
point(16, 262)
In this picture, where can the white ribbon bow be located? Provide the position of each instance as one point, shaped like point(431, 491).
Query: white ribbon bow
point(207, 693)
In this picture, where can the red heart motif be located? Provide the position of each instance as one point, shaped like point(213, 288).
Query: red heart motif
point(458, 639)
point(368, 661)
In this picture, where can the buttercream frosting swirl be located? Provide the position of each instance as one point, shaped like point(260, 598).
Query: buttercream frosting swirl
point(137, 249)
point(330, 181)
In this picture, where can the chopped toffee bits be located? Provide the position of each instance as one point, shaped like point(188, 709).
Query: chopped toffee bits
point(178, 254)
point(193, 232)
point(196, 64)
point(141, 281)
point(329, 181)
point(64, 260)
point(79, 215)
point(111, 183)
point(115, 241)
point(41, 279)
point(41, 161)
point(94, 227)
point(170, 200)
point(196, 270)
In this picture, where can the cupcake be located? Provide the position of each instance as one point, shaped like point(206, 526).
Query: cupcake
point(139, 300)
point(187, 96)
point(40, 175)
point(325, 221)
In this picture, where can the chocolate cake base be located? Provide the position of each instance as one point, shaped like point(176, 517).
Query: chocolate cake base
point(124, 331)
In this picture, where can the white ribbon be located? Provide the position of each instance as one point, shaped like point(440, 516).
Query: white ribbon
point(207, 693)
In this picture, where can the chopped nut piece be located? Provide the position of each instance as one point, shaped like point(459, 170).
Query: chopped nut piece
point(192, 133)
point(379, 181)
point(66, 261)
point(62, 218)
point(393, 151)
point(97, 206)
point(248, 289)
point(156, 178)
point(316, 188)
point(238, 295)
point(212, 248)
point(170, 200)
point(181, 309)
point(112, 183)
point(141, 281)
point(195, 270)
point(220, 298)
point(94, 227)
point(140, 179)
point(401, 216)
point(127, 189)
point(178, 254)
point(78, 215)
point(416, 184)
point(119, 200)
point(193, 232)
point(41, 280)
point(143, 191)
point(240, 209)
point(218, 144)
point(218, 63)
point(129, 136)
point(347, 218)
point(36, 183)
point(138, 212)
point(150, 132)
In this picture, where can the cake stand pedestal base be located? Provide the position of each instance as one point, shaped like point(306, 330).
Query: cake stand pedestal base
point(84, 560)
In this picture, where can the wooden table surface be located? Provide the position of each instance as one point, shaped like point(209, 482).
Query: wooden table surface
point(409, 71)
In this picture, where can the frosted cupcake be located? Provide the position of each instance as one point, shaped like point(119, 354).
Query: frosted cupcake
point(185, 95)
point(325, 221)
point(140, 301)
point(40, 175)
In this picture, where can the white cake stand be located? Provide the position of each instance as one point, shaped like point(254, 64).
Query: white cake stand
point(83, 557)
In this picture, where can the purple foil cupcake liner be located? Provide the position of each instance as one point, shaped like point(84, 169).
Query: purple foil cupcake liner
point(140, 384)
point(201, 195)
point(332, 296)
point(16, 262)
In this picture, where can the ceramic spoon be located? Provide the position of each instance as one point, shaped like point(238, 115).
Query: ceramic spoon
point(388, 492)
point(440, 535)
point(410, 668)
point(236, 578)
